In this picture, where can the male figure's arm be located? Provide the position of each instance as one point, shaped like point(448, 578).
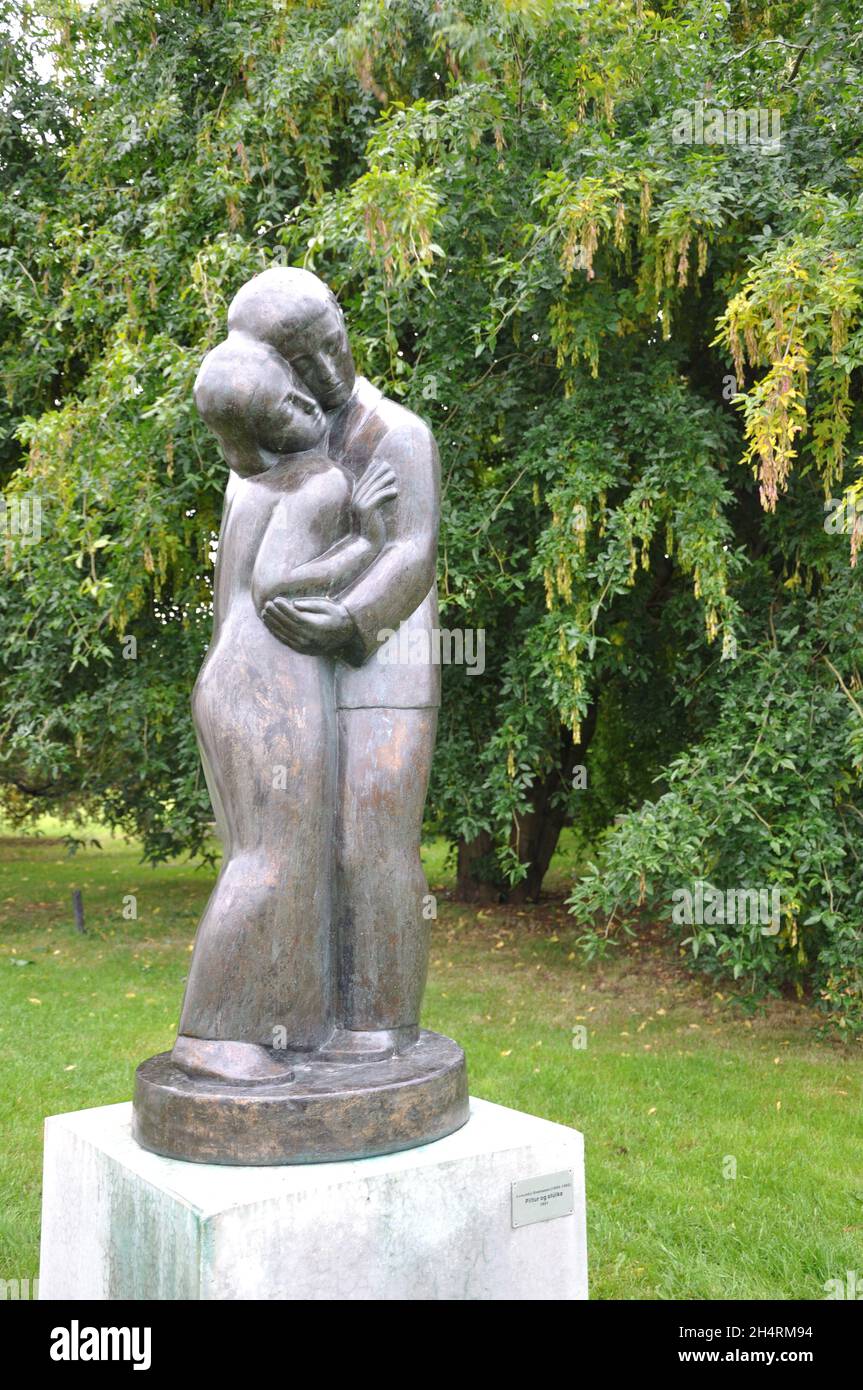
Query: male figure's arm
point(401, 576)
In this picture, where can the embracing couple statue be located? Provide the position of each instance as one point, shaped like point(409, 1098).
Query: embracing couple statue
point(299, 1038)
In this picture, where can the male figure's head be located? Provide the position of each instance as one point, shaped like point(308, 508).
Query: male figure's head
point(256, 406)
point(298, 315)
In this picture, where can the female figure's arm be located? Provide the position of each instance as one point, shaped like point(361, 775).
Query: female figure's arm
point(337, 568)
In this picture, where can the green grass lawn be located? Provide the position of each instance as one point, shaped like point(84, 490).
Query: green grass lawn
point(674, 1089)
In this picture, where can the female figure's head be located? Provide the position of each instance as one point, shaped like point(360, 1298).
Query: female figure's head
point(256, 405)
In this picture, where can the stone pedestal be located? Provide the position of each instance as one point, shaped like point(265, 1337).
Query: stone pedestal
point(494, 1211)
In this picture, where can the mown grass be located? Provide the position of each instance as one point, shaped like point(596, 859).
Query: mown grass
point(673, 1090)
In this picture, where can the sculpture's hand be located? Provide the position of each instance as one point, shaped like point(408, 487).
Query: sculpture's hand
point(314, 626)
point(376, 486)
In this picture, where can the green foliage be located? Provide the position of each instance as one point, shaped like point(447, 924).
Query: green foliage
point(769, 797)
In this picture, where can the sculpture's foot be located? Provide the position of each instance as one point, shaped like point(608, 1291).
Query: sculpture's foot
point(240, 1063)
point(354, 1045)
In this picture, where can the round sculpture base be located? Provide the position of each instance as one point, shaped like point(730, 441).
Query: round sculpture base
point(328, 1111)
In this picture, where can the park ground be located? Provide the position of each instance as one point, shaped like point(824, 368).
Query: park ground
point(723, 1146)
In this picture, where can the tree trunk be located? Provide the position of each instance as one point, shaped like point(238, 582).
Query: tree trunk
point(475, 873)
point(534, 835)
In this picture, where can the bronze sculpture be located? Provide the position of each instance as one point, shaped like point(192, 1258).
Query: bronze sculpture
point(299, 1038)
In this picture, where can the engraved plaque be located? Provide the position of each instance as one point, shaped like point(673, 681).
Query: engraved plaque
point(543, 1198)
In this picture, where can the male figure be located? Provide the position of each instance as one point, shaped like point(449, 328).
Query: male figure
point(387, 712)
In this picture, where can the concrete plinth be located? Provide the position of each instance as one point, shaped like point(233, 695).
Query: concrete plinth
point(494, 1211)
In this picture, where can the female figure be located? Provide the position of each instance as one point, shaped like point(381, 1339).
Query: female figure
point(295, 523)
